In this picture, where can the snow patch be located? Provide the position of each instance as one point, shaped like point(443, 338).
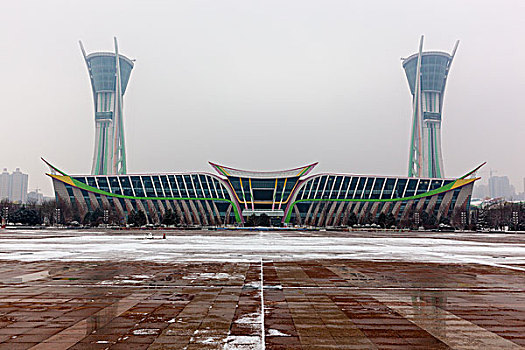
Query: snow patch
point(210, 275)
point(254, 318)
point(146, 331)
point(251, 246)
point(242, 342)
point(277, 333)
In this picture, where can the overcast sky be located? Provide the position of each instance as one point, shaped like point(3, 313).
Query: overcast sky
point(262, 85)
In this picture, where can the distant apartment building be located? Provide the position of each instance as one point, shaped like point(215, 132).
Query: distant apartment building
point(480, 191)
point(13, 187)
point(35, 197)
point(499, 186)
point(5, 179)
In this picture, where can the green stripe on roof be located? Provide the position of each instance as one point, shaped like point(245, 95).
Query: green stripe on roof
point(426, 194)
point(85, 187)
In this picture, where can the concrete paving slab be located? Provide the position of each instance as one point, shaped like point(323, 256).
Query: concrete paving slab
point(274, 298)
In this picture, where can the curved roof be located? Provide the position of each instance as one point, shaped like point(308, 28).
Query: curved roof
point(109, 54)
point(277, 174)
point(426, 53)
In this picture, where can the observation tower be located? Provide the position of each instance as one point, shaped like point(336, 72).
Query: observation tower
point(427, 74)
point(109, 78)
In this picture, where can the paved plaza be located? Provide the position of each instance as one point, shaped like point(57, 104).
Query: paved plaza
point(261, 290)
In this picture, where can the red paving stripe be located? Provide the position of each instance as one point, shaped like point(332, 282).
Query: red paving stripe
point(72, 335)
point(280, 328)
point(384, 328)
point(450, 329)
point(309, 305)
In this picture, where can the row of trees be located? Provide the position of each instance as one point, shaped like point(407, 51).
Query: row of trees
point(28, 214)
point(498, 216)
point(32, 214)
point(135, 218)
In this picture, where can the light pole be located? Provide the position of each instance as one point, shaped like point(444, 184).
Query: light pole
point(106, 216)
point(416, 219)
point(57, 216)
point(5, 216)
point(463, 219)
point(515, 220)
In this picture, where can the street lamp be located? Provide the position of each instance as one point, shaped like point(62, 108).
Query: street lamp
point(515, 220)
point(5, 216)
point(106, 216)
point(416, 219)
point(463, 219)
point(57, 216)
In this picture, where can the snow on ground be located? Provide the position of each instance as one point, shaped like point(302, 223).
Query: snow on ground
point(250, 319)
point(243, 342)
point(146, 331)
point(277, 333)
point(253, 246)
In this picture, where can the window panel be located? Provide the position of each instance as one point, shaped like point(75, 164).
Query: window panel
point(148, 186)
point(351, 188)
point(313, 189)
point(322, 183)
point(103, 183)
point(158, 186)
point(378, 186)
point(182, 186)
point(400, 188)
point(344, 187)
point(435, 184)
point(174, 188)
point(368, 188)
point(91, 182)
point(307, 189)
point(359, 189)
point(165, 185)
point(189, 186)
point(115, 185)
point(411, 187)
point(423, 186)
point(125, 183)
point(137, 186)
point(388, 188)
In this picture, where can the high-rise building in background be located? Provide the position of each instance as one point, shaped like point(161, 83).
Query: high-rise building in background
point(109, 79)
point(5, 180)
point(13, 187)
point(18, 186)
point(35, 197)
point(427, 74)
point(499, 186)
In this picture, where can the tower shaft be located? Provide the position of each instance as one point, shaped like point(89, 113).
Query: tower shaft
point(427, 74)
point(109, 77)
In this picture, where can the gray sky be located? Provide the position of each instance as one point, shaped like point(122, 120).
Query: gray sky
point(262, 85)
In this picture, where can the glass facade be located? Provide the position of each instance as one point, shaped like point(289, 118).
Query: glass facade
point(318, 200)
point(434, 72)
point(102, 67)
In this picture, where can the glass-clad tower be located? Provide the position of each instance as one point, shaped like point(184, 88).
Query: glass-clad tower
point(427, 74)
point(109, 79)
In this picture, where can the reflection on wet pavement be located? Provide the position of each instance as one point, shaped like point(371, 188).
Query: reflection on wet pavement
point(307, 303)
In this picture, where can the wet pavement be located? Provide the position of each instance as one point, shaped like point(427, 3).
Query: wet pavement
point(272, 299)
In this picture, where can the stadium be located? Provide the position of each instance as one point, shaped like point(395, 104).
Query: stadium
point(287, 197)
point(294, 196)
